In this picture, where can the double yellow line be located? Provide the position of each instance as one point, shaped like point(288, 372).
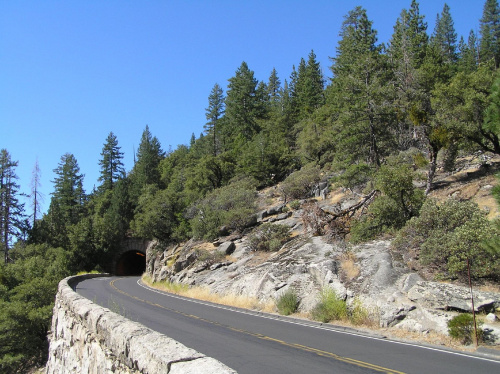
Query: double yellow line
point(264, 337)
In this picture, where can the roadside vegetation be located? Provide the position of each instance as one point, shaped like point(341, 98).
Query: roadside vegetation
point(202, 293)
point(378, 126)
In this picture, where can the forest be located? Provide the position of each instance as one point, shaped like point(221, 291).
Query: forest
point(388, 110)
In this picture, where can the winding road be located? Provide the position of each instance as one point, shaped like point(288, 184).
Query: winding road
point(251, 342)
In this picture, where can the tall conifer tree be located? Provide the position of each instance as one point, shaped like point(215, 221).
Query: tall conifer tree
point(146, 169)
point(111, 163)
point(242, 105)
point(360, 94)
point(444, 37)
point(213, 113)
point(489, 46)
point(11, 210)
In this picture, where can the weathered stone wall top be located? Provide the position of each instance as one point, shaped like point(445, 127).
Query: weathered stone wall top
point(87, 338)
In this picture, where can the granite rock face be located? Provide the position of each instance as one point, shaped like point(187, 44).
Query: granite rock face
point(87, 338)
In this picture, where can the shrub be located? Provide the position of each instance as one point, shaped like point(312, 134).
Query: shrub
point(399, 202)
point(232, 206)
point(295, 204)
point(462, 327)
point(288, 302)
point(268, 237)
point(330, 307)
point(446, 234)
point(299, 184)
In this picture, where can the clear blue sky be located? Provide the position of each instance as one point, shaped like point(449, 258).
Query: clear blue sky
point(72, 71)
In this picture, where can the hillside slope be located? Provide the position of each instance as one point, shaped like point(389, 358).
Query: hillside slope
point(372, 274)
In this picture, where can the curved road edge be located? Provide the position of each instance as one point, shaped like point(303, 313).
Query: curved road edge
point(93, 339)
point(487, 354)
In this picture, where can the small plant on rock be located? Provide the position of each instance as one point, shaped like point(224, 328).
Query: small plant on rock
point(295, 204)
point(268, 237)
point(288, 302)
point(359, 315)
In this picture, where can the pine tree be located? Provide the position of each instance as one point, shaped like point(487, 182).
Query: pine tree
point(444, 37)
point(242, 106)
point(11, 210)
point(146, 169)
point(308, 93)
point(274, 91)
point(213, 114)
point(468, 53)
point(360, 94)
point(406, 52)
point(111, 163)
point(68, 197)
point(489, 46)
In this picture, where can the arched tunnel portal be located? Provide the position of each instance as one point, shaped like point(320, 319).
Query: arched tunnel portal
point(131, 262)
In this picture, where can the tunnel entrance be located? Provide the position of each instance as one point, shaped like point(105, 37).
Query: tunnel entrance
point(131, 263)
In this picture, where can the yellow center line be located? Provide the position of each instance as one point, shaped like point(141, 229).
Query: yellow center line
point(267, 338)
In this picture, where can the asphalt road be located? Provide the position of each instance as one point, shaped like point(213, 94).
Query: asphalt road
point(250, 342)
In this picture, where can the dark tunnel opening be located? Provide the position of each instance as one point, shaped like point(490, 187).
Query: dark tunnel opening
point(131, 263)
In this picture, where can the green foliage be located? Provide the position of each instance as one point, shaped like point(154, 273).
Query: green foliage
point(399, 202)
point(232, 206)
point(287, 302)
point(146, 168)
point(461, 327)
point(330, 307)
point(294, 204)
point(299, 184)
point(446, 234)
point(27, 291)
point(11, 209)
point(242, 105)
point(156, 215)
point(268, 237)
point(111, 163)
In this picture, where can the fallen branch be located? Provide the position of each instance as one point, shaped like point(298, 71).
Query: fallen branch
point(351, 210)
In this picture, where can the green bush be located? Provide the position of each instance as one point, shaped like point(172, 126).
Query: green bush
point(295, 204)
point(399, 202)
point(330, 307)
point(446, 234)
point(231, 206)
point(288, 302)
point(299, 184)
point(268, 237)
point(461, 327)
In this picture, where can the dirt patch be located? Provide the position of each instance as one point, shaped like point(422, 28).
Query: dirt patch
point(474, 180)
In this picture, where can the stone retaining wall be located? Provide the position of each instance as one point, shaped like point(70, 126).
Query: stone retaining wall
point(87, 338)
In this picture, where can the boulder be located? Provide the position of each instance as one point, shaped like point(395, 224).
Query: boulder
point(451, 297)
point(226, 248)
point(391, 315)
point(182, 264)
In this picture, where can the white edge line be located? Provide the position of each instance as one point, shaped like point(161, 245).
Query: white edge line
point(266, 316)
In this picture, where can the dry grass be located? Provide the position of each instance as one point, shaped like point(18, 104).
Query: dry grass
point(203, 293)
point(348, 266)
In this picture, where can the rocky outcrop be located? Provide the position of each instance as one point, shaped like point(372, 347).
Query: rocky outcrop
point(87, 338)
point(444, 296)
point(384, 284)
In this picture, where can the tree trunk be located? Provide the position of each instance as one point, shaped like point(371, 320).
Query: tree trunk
point(432, 167)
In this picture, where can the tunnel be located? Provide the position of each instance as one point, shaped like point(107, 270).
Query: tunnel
point(131, 263)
